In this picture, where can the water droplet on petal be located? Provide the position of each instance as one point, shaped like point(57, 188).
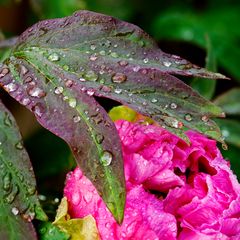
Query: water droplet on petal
point(119, 78)
point(11, 87)
point(72, 102)
point(167, 63)
point(76, 119)
point(188, 117)
point(173, 105)
point(53, 57)
point(58, 90)
point(4, 72)
point(106, 158)
point(15, 211)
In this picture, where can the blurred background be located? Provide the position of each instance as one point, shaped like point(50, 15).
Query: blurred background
point(205, 32)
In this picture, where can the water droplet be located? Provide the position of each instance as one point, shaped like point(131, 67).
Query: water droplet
point(58, 90)
point(114, 54)
point(23, 70)
point(90, 92)
point(119, 78)
point(76, 119)
point(72, 102)
point(118, 91)
point(93, 47)
point(15, 211)
point(76, 198)
point(38, 110)
point(188, 117)
point(136, 68)
point(145, 60)
point(106, 158)
point(11, 87)
point(53, 57)
point(7, 181)
point(4, 72)
point(167, 63)
point(154, 100)
point(224, 146)
point(26, 101)
point(205, 118)
point(10, 198)
point(99, 138)
point(36, 92)
point(225, 133)
point(28, 79)
point(123, 63)
point(173, 105)
point(19, 145)
point(91, 76)
point(65, 67)
point(69, 83)
point(103, 53)
point(93, 57)
point(7, 120)
point(31, 190)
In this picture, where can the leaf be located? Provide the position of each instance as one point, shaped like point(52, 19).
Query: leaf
point(48, 231)
point(229, 101)
point(5, 47)
point(219, 23)
point(230, 130)
point(206, 87)
point(59, 65)
point(19, 203)
point(122, 112)
point(79, 228)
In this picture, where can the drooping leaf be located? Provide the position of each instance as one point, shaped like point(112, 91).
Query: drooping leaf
point(78, 228)
point(206, 87)
point(58, 65)
point(229, 101)
point(18, 199)
point(48, 231)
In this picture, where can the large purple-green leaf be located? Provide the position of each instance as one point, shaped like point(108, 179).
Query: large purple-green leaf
point(58, 66)
point(18, 199)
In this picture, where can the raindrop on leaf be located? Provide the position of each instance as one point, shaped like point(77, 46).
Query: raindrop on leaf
point(106, 158)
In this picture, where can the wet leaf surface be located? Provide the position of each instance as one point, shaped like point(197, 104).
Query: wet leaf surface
point(18, 197)
point(59, 65)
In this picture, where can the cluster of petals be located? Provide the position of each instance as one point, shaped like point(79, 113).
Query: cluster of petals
point(175, 190)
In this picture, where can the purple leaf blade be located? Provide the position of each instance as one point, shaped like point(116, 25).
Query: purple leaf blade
point(19, 203)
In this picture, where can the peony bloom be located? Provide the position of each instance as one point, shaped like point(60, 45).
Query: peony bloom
point(196, 195)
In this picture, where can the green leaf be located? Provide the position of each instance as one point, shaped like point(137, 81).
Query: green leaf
point(48, 231)
point(19, 203)
point(206, 87)
point(219, 23)
point(229, 101)
point(59, 65)
point(230, 130)
point(123, 113)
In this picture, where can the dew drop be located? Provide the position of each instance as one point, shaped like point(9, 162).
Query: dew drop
point(4, 72)
point(11, 87)
point(118, 91)
point(91, 76)
point(38, 110)
point(188, 117)
point(167, 63)
point(145, 60)
point(15, 211)
point(72, 102)
point(19, 145)
point(99, 138)
point(26, 101)
point(23, 70)
point(123, 63)
point(36, 92)
point(7, 181)
point(93, 47)
point(106, 158)
point(136, 68)
point(31, 190)
point(102, 53)
point(119, 78)
point(7, 120)
point(93, 57)
point(114, 54)
point(28, 79)
point(173, 105)
point(58, 90)
point(76, 119)
point(154, 100)
point(53, 57)
point(205, 118)
point(69, 83)
point(65, 67)
point(90, 92)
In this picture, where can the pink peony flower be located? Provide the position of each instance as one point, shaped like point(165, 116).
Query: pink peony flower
point(198, 195)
